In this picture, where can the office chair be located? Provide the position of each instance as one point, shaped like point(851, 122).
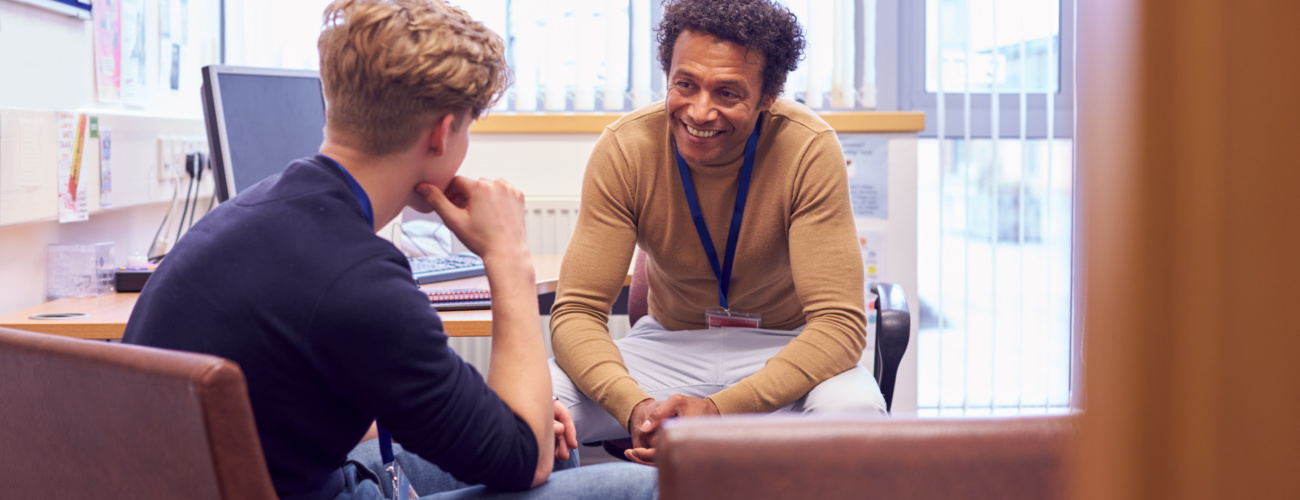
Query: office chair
point(86, 419)
point(893, 332)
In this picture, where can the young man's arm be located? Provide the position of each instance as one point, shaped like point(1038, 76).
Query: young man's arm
point(488, 217)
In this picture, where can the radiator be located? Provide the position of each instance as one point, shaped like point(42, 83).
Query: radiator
point(550, 222)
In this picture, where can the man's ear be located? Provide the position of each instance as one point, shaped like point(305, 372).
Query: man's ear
point(766, 102)
point(437, 137)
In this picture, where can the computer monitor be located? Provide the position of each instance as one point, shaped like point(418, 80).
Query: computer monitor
point(259, 120)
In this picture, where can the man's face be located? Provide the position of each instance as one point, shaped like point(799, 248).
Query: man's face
point(714, 97)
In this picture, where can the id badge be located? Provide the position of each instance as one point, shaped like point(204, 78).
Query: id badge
point(722, 318)
point(399, 481)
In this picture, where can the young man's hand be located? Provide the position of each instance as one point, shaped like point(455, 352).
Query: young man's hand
point(648, 417)
point(487, 215)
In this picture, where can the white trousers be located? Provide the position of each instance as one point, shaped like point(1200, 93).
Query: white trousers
point(699, 363)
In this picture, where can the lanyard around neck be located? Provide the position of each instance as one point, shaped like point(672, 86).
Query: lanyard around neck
point(362, 198)
point(721, 271)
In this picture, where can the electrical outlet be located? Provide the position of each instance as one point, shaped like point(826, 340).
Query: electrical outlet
point(172, 151)
point(166, 156)
point(195, 145)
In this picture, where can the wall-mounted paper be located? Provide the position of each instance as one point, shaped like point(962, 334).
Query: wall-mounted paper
point(29, 169)
point(134, 78)
point(867, 158)
point(105, 168)
point(73, 203)
point(171, 35)
point(108, 50)
point(872, 244)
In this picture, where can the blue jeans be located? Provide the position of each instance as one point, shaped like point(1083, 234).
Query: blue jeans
point(604, 481)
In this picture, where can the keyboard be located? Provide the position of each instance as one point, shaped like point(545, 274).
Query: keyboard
point(434, 269)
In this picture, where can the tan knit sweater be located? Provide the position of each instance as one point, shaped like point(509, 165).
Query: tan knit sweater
point(797, 259)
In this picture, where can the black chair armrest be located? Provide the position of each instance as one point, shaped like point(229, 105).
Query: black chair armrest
point(893, 332)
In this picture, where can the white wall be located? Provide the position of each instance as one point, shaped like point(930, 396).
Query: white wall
point(46, 65)
point(549, 165)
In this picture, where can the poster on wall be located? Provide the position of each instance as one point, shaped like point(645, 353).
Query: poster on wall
point(171, 39)
point(866, 157)
point(134, 78)
point(105, 168)
point(73, 203)
point(872, 244)
point(108, 50)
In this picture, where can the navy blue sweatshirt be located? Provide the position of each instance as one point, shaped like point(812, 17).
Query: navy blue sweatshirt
point(289, 280)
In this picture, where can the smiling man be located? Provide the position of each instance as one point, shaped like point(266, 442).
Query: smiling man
point(740, 201)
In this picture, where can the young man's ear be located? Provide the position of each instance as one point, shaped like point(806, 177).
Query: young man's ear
point(437, 136)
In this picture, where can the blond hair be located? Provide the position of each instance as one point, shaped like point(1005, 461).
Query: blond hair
point(391, 68)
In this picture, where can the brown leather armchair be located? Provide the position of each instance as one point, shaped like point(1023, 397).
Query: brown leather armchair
point(802, 457)
point(86, 419)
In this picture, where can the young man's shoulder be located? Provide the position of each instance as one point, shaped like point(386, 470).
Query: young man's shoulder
point(299, 231)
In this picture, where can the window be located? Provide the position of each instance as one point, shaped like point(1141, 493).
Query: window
point(995, 180)
point(994, 276)
point(1012, 48)
point(585, 55)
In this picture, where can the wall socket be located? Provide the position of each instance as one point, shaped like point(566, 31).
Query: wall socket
point(172, 151)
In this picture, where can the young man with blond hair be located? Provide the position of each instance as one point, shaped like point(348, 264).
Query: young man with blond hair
point(289, 280)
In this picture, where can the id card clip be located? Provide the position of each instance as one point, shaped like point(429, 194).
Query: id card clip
point(723, 318)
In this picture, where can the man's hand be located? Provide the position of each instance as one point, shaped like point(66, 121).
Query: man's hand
point(566, 436)
point(640, 440)
point(487, 215)
point(648, 417)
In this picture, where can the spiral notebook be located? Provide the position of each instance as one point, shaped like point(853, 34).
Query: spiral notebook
point(464, 299)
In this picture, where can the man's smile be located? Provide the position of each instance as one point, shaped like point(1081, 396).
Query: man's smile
point(700, 133)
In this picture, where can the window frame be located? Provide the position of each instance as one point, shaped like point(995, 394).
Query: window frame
point(912, 95)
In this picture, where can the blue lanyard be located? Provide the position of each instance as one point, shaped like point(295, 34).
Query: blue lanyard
point(723, 271)
point(358, 192)
point(385, 446)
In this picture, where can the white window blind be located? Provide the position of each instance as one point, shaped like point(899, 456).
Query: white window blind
point(995, 216)
point(586, 55)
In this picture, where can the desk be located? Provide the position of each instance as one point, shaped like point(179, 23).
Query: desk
point(108, 313)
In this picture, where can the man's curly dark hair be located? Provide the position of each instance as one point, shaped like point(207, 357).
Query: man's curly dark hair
point(760, 25)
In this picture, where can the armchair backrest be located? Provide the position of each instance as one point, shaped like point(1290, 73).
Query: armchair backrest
point(87, 419)
point(866, 457)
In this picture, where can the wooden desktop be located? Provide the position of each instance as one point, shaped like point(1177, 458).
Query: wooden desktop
point(106, 315)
